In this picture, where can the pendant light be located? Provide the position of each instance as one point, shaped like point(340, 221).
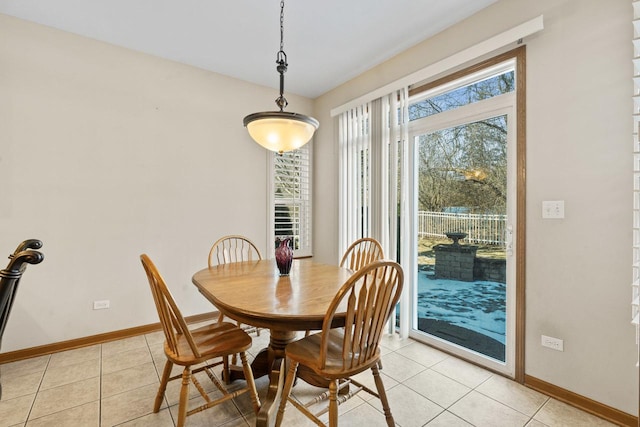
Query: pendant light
point(280, 131)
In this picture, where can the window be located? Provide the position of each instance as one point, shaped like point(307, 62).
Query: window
point(446, 99)
point(291, 199)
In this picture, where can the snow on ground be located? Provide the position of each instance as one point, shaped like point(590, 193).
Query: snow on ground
point(477, 305)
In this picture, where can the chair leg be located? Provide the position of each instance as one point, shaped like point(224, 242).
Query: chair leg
point(383, 396)
point(226, 372)
point(234, 357)
point(248, 375)
point(333, 403)
point(288, 385)
point(163, 385)
point(184, 396)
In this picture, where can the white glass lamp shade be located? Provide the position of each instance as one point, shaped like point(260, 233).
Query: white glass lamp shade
point(280, 131)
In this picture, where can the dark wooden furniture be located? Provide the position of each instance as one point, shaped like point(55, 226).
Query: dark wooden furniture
point(10, 277)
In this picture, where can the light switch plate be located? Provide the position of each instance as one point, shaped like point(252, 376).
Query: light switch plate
point(553, 209)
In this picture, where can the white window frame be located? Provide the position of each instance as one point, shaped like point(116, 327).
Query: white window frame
point(505, 104)
point(303, 204)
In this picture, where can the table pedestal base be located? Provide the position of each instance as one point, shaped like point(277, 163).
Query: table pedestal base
point(271, 361)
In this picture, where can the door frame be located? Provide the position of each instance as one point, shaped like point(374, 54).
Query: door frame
point(518, 56)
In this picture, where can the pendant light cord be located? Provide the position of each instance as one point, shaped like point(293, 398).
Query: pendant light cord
point(281, 60)
point(282, 26)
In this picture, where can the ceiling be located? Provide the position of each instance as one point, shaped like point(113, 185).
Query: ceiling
point(327, 42)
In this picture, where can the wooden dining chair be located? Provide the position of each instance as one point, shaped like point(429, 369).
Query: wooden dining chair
point(368, 299)
point(234, 248)
point(361, 252)
point(358, 254)
point(196, 350)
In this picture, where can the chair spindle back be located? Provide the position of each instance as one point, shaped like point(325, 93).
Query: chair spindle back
point(368, 299)
point(173, 323)
point(233, 248)
point(361, 252)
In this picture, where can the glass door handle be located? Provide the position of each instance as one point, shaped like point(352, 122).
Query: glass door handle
point(509, 240)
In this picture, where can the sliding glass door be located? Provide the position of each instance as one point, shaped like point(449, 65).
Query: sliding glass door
point(464, 161)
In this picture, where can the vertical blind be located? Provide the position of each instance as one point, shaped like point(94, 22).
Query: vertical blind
point(354, 180)
point(292, 198)
point(371, 138)
point(373, 176)
point(635, 286)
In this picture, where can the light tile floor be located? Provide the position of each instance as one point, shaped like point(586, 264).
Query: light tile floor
point(114, 384)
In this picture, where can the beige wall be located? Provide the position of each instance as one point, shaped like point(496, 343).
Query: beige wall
point(579, 149)
point(106, 153)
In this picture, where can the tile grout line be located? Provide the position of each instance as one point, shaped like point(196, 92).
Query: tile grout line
point(100, 391)
point(415, 357)
point(35, 396)
point(531, 417)
point(155, 367)
point(540, 409)
point(426, 368)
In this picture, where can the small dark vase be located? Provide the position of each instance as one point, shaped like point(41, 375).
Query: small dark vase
point(284, 257)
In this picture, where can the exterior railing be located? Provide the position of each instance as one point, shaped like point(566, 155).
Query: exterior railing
point(487, 229)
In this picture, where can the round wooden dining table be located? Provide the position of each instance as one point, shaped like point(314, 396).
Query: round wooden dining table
point(254, 293)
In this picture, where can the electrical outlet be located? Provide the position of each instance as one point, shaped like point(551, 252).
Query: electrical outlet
point(553, 343)
point(101, 305)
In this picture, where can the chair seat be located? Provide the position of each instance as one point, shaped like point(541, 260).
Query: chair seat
point(214, 340)
point(306, 351)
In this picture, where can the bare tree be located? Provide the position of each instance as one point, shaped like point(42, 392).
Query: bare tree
point(464, 165)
